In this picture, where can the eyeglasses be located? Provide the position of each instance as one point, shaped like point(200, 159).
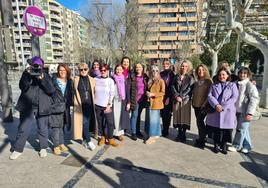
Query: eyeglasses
point(155, 71)
point(83, 69)
point(103, 70)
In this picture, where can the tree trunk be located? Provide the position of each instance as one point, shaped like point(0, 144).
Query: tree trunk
point(214, 58)
point(264, 92)
point(6, 98)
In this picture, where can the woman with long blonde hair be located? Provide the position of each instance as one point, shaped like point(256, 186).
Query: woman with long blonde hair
point(155, 93)
point(181, 90)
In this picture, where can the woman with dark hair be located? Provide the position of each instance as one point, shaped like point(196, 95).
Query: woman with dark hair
point(104, 95)
point(200, 93)
point(84, 111)
point(121, 102)
point(245, 108)
point(125, 62)
point(138, 99)
point(222, 97)
point(181, 90)
point(64, 84)
point(95, 69)
point(167, 75)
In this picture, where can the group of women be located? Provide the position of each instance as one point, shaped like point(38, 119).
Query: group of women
point(110, 105)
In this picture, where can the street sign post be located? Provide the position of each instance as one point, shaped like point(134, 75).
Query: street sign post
point(35, 21)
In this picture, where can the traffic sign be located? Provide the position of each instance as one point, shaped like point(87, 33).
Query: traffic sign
point(35, 21)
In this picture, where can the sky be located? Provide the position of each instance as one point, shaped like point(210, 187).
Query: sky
point(77, 4)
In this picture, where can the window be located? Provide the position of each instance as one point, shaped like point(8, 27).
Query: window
point(166, 43)
point(168, 15)
point(185, 23)
point(189, 14)
point(168, 5)
point(168, 33)
point(168, 24)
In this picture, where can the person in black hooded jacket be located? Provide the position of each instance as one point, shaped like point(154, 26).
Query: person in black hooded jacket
point(33, 103)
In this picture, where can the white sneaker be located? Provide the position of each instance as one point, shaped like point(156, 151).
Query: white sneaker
point(244, 150)
point(43, 153)
point(14, 155)
point(232, 148)
point(85, 144)
point(91, 146)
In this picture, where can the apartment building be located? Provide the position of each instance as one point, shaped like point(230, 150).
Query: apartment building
point(171, 23)
point(67, 33)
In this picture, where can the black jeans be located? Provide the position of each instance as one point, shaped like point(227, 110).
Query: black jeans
point(105, 119)
point(57, 136)
point(25, 127)
point(166, 119)
point(200, 124)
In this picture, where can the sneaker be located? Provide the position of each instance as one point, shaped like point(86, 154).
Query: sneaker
point(91, 146)
point(151, 140)
point(57, 150)
point(244, 150)
point(85, 144)
point(232, 148)
point(43, 153)
point(63, 148)
point(14, 155)
point(139, 135)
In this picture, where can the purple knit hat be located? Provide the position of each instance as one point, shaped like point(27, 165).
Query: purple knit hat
point(37, 61)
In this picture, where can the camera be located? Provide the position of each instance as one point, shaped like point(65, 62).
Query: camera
point(36, 66)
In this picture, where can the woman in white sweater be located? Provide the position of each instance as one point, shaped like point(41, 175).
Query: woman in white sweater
point(245, 107)
point(104, 95)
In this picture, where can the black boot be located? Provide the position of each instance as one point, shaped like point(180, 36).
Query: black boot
point(216, 148)
point(183, 136)
point(199, 143)
point(133, 137)
point(179, 136)
point(165, 132)
point(224, 148)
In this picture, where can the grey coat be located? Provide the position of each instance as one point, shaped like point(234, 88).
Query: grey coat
point(248, 98)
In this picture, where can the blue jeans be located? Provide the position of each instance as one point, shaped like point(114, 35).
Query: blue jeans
point(152, 122)
point(242, 138)
point(86, 132)
point(135, 119)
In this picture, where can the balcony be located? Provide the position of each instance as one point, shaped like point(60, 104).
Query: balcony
point(55, 8)
point(168, 10)
point(173, 19)
point(151, 56)
point(166, 47)
point(57, 46)
point(168, 28)
point(149, 47)
point(185, 28)
point(190, 19)
point(187, 9)
point(166, 56)
point(151, 10)
point(57, 39)
point(147, 1)
point(56, 24)
point(152, 38)
point(168, 38)
point(185, 37)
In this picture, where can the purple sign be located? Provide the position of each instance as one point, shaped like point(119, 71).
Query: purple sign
point(35, 21)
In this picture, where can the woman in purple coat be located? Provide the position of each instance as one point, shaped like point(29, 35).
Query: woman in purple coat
point(222, 96)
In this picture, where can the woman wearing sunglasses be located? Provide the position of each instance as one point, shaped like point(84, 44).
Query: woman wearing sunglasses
point(84, 111)
point(104, 95)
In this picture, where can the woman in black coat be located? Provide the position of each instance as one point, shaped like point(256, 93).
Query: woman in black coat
point(64, 84)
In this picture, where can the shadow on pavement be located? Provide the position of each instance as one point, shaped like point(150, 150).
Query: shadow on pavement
point(129, 176)
point(257, 164)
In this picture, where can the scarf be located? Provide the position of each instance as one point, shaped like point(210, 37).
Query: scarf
point(120, 83)
point(95, 73)
point(125, 72)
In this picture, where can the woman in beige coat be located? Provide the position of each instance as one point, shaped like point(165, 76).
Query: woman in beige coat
point(84, 111)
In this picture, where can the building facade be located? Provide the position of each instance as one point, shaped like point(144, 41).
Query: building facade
point(172, 23)
point(67, 33)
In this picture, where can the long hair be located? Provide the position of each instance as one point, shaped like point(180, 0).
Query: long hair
point(154, 77)
point(190, 66)
point(136, 66)
point(118, 65)
point(66, 67)
point(207, 75)
point(247, 70)
point(125, 57)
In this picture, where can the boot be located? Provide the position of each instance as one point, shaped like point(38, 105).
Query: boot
point(216, 148)
point(179, 136)
point(101, 141)
point(183, 136)
point(113, 143)
point(57, 150)
point(63, 147)
point(224, 148)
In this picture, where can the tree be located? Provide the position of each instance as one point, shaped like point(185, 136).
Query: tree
point(249, 36)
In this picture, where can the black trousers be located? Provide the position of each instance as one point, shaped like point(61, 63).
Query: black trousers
point(166, 118)
point(25, 127)
point(105, 119)
point(57, 136)
point(200, 124)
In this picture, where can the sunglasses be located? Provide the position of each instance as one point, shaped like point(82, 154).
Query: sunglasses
point(83, 69)
point(103, 70)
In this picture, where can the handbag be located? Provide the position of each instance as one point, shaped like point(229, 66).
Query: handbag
point(208, 109)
